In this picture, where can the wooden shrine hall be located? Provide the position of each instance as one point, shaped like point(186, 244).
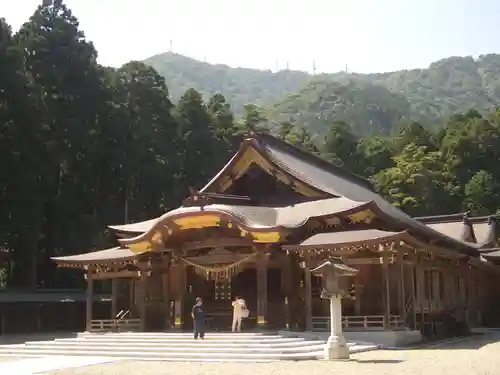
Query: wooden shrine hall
point(256, 229)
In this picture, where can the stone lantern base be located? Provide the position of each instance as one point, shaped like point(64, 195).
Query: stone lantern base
point(336, 348)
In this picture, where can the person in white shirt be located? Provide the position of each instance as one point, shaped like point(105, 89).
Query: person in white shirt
point(239, 312)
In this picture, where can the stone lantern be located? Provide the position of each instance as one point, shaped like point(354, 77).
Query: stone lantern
point(333, 273)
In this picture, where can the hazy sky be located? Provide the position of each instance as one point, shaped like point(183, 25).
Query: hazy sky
point(365, 35)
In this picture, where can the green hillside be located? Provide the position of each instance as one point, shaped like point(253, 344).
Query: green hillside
point(240, 86)
point(370, 102)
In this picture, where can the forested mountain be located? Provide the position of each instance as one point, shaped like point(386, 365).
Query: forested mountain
point(369, 109)
point(84, 146)
point(241, 86)
point(448, 86)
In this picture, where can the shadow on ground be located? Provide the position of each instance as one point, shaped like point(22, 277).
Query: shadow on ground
point(377, 361)
point(22, 338)
point(470, 342)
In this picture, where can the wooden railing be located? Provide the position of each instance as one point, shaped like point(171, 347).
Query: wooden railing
point(364, 322)
point(115, 325)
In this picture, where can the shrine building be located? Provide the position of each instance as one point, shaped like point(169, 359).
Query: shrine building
point(262, 223)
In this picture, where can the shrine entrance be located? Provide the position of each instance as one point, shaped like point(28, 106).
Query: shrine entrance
point(218, 293)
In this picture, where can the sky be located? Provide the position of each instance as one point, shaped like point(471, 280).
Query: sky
point(366, 36)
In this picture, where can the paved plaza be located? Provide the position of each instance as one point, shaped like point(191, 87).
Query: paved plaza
point(473, 356)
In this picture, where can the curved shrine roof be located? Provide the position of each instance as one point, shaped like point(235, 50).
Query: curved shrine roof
point(347, 191)
point(256, 218)
point(349, 238)
point(337, 182)
point(111, 255)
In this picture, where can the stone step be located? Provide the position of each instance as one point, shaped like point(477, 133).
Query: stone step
point(178, 347)
point(181, 356)
point(178, 336)
point(169, 350)
point(189, 339)
point(59, 358)
point(184, 333)
point(177, 344)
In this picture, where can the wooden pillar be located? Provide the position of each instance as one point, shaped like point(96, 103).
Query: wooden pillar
point(357, 296)
point(262, 291)
point(90, 297)
point(387, 292)
point(402, 297)
point(181, 271)
point(308, 296)
point(166, 297)
point(413, 293)
point(142, 300)
point(114, 298)
point(286, 282)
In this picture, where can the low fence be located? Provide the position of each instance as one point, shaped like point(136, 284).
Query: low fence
point(358, 323)
point(115, 325)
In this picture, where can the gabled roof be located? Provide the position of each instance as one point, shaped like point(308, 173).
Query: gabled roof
point(485, 230)
point(337, 182)
point(480, 229)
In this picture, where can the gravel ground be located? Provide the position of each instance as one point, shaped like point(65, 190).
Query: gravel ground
point(9, 359)
point(474, 356)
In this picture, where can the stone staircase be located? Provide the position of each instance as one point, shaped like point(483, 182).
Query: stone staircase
point(179, 347)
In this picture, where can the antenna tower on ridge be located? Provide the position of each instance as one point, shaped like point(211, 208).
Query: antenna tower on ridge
point(170, 47)
point(314, 67)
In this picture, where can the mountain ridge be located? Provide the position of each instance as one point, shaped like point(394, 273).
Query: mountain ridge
point(450, 85)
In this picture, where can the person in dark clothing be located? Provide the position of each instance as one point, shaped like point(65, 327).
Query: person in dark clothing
point(198, 316)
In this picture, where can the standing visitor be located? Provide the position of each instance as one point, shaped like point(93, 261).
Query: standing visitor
point(198, 316)
point(240, 311)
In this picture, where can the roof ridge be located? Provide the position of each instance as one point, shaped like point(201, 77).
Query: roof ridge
point(442, 218)
point(320, 162)
point(484, 218)
point(434, 219)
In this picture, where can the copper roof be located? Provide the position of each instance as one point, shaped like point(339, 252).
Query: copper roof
point(333, 181)
point(492, 256)
point(347, 238)
point(458, 230)
point(256, 218)
point(485, 231)
point(291, 216)
point(338, 182)
point(113, 254)
point(481, 230)
point(139, 227)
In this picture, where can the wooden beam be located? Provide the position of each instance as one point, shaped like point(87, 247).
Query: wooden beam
point(116, 275)
point(216, 242)
point(355, 261)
